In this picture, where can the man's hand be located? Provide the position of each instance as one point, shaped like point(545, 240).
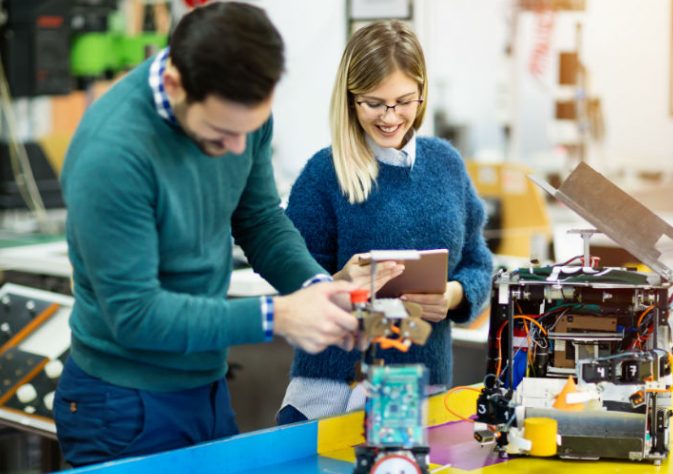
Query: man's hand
point(435, 306)
point(310, 320)
point(360, 274)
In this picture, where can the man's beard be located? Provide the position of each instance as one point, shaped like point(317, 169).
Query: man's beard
point(206, 146)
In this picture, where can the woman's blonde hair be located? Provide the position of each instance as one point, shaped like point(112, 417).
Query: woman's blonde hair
point(372, 54)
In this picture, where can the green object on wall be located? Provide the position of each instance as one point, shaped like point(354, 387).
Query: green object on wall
point(139, 47)
point(94, 54)
point(89, 55)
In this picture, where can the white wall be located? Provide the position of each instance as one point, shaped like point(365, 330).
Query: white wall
point(464, 41)
point(315, 35)
point(628, 49)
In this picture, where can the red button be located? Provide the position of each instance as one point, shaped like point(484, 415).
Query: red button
point(359, 296)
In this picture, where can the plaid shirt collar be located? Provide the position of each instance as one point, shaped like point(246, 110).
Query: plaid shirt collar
point(156, 81)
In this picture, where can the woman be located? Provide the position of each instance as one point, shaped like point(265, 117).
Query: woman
point(381, 187)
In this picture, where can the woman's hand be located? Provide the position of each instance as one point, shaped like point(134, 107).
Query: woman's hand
point(435, 306)
point(354, 271)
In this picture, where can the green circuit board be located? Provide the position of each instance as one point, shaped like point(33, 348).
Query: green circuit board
point(395, 413)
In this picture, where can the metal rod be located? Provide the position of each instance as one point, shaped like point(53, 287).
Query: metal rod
point(510, 344)
point(372, 287)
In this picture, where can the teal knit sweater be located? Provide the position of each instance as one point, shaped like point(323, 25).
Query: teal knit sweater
point(150, 225)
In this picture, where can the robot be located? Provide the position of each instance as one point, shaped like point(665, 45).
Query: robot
point(584, 345)
point(395, 433)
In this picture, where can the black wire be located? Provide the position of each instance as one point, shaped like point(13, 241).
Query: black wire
point(568, 261)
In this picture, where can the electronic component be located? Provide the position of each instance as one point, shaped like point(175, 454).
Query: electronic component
point(395, 406)
point(587, 346)
point(394, 421)
point(626, 368)
point(493, 403)
point(35, 45)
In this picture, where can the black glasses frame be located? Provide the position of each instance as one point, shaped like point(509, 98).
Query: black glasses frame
point(388, 107)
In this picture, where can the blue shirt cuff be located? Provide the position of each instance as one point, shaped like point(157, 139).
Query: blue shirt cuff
point(266, 304)
point(319, 278)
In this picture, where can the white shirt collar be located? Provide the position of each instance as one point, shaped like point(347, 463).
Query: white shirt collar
point(392, 156)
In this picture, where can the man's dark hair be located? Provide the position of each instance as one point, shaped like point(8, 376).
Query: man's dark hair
point(230, 50)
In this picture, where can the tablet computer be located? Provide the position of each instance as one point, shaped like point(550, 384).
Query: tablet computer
point(428, 274)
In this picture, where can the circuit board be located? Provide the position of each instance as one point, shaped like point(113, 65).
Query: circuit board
point(395, 411)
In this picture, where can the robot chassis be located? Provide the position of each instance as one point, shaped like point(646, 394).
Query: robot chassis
point(587, 346)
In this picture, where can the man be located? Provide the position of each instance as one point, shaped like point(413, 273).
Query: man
point(163, 170)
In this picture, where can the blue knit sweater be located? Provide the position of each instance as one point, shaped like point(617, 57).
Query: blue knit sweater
point(432, 205)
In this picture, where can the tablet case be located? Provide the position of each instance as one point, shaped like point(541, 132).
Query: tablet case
point(426, 275)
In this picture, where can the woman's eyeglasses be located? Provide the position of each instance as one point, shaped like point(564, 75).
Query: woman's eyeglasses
point(380, 108)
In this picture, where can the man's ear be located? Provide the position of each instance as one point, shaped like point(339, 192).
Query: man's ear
point(173, 84)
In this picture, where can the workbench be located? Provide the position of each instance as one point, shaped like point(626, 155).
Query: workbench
point(326, 446)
